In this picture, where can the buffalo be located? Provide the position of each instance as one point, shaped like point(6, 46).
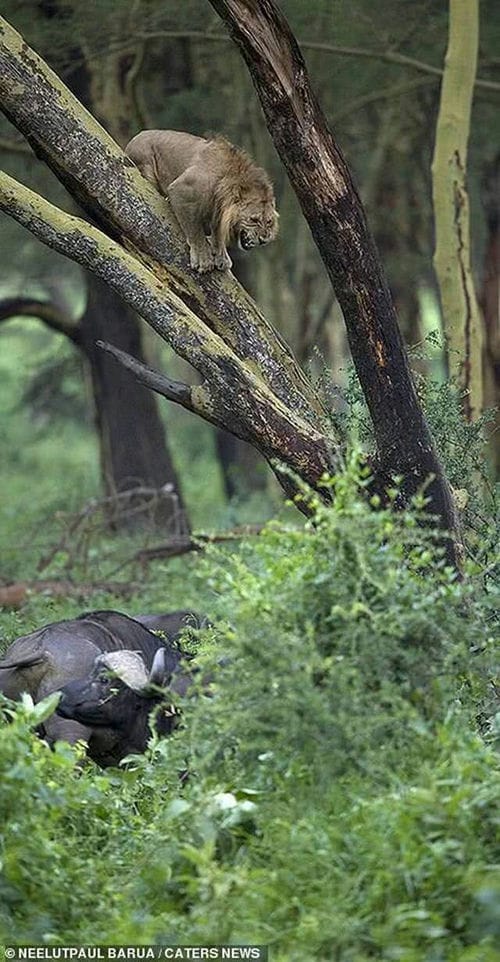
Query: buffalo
point(173, 623)
point(53, 656)
point(116, 699)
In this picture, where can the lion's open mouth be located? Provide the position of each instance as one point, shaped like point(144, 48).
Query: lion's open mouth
point(245, 241)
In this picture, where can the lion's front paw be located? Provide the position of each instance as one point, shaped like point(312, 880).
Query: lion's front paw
point(223, 261)
point(202, 260)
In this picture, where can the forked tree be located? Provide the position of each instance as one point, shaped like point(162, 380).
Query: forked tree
point(251, 384)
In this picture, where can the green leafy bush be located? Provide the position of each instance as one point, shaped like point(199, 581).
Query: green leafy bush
point(343, 792)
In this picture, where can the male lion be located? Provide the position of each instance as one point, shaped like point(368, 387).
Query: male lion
point(217, 193)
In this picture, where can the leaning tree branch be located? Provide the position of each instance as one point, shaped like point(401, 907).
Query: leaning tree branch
point(107, 185)
point(330, 202)
point(194, 398)
point(232, 395)
point(44, 310)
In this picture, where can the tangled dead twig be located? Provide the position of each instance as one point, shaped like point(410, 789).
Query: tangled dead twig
point(14, 594)
point(197, 542)
point(91, 547)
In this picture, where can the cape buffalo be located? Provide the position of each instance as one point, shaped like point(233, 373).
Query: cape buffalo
point(173, 623)
point(116, 699)
point(48, 659)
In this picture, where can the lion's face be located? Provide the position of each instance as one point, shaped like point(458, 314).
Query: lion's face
point(255, 223)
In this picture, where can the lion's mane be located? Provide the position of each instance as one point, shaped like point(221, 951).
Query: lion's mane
point(241, 185)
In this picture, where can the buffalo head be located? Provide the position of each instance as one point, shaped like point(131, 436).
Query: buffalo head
point(116, 699)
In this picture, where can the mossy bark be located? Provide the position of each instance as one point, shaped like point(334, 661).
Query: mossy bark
point(232, 395)
point(109, 187)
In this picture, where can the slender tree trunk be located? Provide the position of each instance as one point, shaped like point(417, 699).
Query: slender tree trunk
point(461, 315)
point(490, 304)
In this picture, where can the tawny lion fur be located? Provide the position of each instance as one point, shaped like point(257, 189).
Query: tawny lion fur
point(219, 196)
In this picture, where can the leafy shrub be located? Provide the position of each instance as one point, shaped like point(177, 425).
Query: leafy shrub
point(347, 638)
point(343, 792)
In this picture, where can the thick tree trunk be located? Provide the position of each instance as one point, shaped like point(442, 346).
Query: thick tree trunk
point(132, 439)
point(133, 451)
point(132, 447)
point(331, 205)
point(243, 470)
point(461, 315)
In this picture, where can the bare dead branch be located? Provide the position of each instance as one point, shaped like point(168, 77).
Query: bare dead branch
point(83, 528)
point(173, 390)
point(198, 542)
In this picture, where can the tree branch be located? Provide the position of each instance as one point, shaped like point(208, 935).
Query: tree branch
point(175, 391)
point(44, 310)
point(384, 93)
point(231, 386)
point(109, 187)
point(388, 56)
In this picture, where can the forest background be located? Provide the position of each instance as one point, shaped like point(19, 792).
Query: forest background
point(409, 860)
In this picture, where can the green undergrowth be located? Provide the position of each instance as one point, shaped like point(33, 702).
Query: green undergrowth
point(343, 797)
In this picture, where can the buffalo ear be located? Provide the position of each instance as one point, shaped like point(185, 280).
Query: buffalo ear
point(160, 674)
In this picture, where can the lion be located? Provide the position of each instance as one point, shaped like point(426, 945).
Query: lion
point(218, 195)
